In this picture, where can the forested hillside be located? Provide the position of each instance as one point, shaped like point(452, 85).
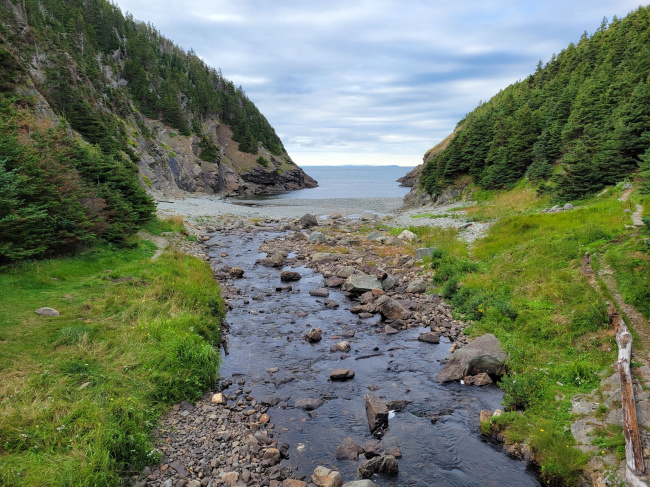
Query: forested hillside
point(579, 123)
point(95, 106)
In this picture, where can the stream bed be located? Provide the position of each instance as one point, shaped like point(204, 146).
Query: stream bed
point(269, 357)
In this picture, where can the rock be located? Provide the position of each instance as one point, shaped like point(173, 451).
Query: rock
point(395, 452)
point(324, 477)
point(317, 237)
point(568, 206)
point(345, 271)
point(424, 252)
point(373, 448)
point(229, 478)
point(289, 276)
point(342, 347)
point(386, 464)
point(167, 483)
point(481, 379)
point(314, 335)
point(389, 308)
point(375, 236)
point(308, 221)
point(367, 217)
point(276, 258)
point(484, 416)
point(330, 304)
point(321, 256)
point(342, 374)
point(361, 283)
point(47, 312)
point(407, 236)
point(397, 404)
point(236, 272)
point(361, 483)
point(334, 281)
point(417, 287)
point(349, 450)
point(484, 354)
point(394, 241)
point(307, 404)
point(263, 439)
point(319, 292)
point(272, 454)
point(377, 413)
point(293, 483)
point(336, 216)
point(389, 330)
point(193, 483)
point(217, 398)
point(429, 337)
point(388, 283)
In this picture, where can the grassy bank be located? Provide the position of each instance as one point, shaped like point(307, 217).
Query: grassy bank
point(80, 393)
point(523, 283)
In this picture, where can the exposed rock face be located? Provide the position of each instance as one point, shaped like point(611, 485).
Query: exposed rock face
point(483, 355)
point(361, 283)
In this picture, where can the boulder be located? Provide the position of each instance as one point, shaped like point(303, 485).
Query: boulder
point(481, 379)
point(361, 483)
point(389, 308)
point(377, 413)
point(484, 416)
point(236, 272)
point(417, 287)
point(407, 236)
point(376, 237)
point(308, 221)
point(345, 271)
point(484, 354)
point(349, 450)
point(330, 304)
point(307, 403)
point(429, 337)
point(424, 252)
point(317, 237)
point(336, 216)
point(342, 347)
point(389, 330)
point(386, 464)
point(319, 292)
point(388, 283)
point(568, 206)
point(334, 281)
point(289, 276)
point(321, 256)
point(342, 374)
point(361, 283)
point(324, 477)
point(276, 258)
point(47, 312)
point(314, 335)
point(374, 448)
point(293, 483)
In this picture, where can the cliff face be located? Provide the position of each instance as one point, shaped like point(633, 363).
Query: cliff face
point(141, 99)
point(418, 197)
point(170, 165)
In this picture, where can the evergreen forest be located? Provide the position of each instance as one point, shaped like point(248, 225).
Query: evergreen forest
point(579, 123)
point(101, 72)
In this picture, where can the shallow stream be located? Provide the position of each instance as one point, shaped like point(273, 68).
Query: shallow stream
point(267, 333)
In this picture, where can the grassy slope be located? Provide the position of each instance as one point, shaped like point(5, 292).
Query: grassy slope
point(523, 283)
point(80, 393)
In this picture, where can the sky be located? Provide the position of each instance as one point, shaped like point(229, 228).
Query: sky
point(372, 82)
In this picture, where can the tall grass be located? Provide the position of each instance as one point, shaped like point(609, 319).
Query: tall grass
point(81, 393)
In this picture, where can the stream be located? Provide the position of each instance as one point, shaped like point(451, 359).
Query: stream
point(269, 357)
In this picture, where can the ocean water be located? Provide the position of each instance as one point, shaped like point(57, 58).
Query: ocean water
point(351, 182)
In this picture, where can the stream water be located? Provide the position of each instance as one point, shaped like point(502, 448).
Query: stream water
point(267, 333)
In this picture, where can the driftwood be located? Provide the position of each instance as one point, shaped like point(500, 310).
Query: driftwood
point(633, 447)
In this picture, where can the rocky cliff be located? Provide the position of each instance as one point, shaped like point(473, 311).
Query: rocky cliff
point(417, 197)
point(120, 85)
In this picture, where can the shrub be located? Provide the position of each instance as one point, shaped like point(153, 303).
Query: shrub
point(262, 162)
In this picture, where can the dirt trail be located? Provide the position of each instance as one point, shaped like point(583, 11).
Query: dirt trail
point(161, 242)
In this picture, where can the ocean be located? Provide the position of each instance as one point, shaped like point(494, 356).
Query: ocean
point(351, 182)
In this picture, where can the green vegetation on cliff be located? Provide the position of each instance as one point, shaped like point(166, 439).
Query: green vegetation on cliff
point(576, 125)
point(81, 393)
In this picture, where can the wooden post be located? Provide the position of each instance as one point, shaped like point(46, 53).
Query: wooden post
point(633, 448)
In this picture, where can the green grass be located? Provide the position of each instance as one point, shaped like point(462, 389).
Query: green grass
point(432, 215)
point(523, 283)
point(81, 393)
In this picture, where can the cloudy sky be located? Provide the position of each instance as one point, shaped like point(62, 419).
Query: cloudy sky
point(372, 82)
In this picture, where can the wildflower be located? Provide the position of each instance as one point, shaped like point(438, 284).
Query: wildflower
point(542, 430)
